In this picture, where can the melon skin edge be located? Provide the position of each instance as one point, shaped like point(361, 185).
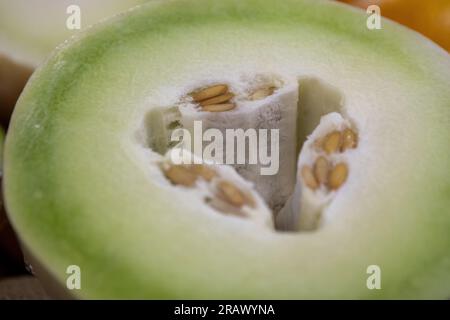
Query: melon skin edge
point(55, 217)
point(28, 34)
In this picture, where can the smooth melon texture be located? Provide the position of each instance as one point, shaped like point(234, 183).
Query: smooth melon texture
point(11, 259)
point(79, 192)
point(431, 18)
point(31, 29)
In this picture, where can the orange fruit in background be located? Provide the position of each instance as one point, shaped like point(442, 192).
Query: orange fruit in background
point(429, 17)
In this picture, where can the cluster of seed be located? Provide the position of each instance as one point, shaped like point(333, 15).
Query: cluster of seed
point(214, 99)
point(217, 98)
point(323, 172)
point(227, 198)
point(187, 175)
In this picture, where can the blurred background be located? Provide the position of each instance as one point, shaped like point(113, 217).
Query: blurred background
point(31, 29)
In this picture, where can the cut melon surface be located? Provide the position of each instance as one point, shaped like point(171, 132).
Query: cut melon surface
point(82, 188)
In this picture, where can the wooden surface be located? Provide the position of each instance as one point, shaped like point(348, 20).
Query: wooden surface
point(21, 288)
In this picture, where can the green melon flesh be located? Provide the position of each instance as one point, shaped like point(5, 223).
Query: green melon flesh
point(30, 30)
point(76, 194)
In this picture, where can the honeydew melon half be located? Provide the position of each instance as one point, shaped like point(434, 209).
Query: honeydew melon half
point(82, 188)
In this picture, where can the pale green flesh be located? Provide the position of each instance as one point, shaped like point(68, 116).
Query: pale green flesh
point(76, 195)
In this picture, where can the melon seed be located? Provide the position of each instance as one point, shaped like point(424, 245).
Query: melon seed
point(349, 139)
point(308, 177)
point(202, 171)
point(209, 92)
point(231, 194)
point(180, 175)
point(217, 100)
point(332, 142)
point(224, 207)
point(337, 176)
point(249, 200)
point(321, 170)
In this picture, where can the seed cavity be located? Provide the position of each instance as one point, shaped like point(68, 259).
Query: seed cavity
point(322, 172)
point(226, 196)
point(332, 142)
point(262, 93)
point(326, 169)
point(338, 175)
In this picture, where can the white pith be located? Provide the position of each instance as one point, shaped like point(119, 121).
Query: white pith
point(277, 111)
point(260, 214)
point(303, 211)
point(294, 206)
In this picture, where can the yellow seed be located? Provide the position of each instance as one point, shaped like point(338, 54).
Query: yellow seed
point(202, 171)
point(332, 142)
point(209, 92)
point(308, 177)
point(321, 170)
point(217, 100)
point(262, 93)
point(349, 139)
point(180, 175)
point(249, 200)
point(231, 194)
point(337, 176)
point(219, 107)
point(224, 207)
